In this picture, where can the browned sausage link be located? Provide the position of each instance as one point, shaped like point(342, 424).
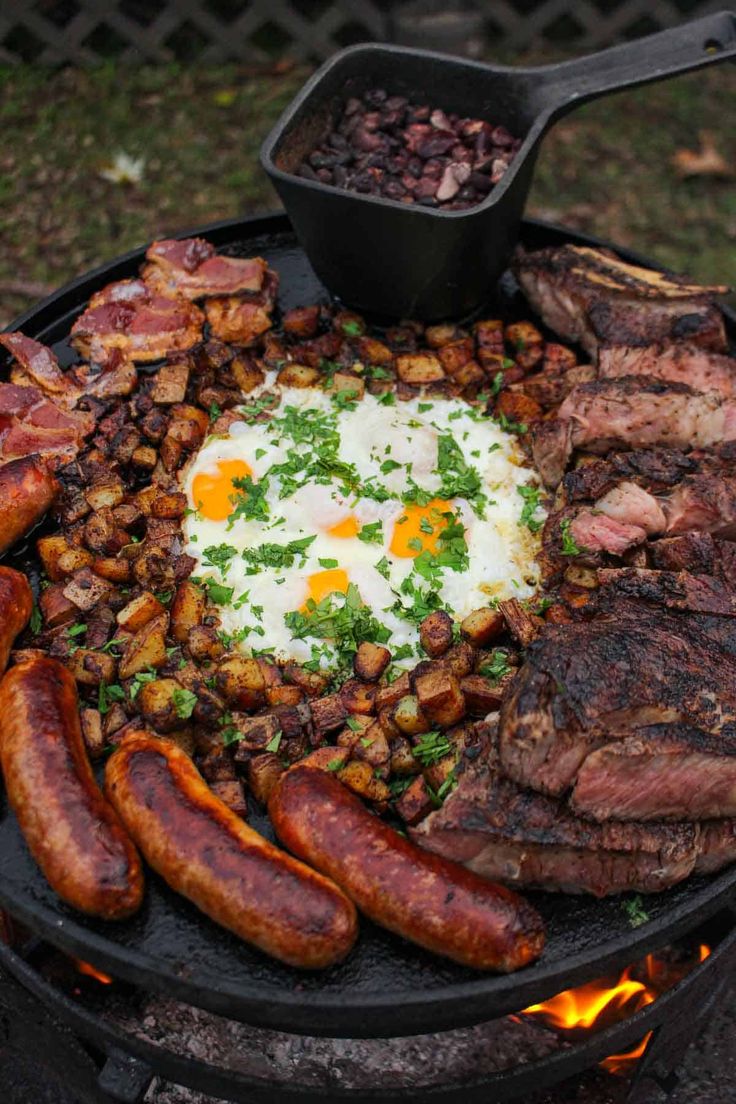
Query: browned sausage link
point(27, 489)
point(72, 832)
point(16, 603)
point(209, 855)
point(420, 896)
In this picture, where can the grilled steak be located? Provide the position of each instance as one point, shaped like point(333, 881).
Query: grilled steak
point(656, 469)
point(694, 552)
point(705, 501)
point(678, 590)
point(700, 369)
point(633, 412)
point(588, 683)
point(664, 772)
point(594, 532)
point(525, 839)
point(592, 297)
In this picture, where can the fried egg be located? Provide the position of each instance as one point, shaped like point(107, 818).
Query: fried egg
point(328, 521)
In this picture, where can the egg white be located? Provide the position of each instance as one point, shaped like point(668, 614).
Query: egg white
point(501, 549)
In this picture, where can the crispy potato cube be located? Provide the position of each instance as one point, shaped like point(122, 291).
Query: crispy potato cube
point(272, 675)
point(144, 457)
point(408, 716)
point(157, 702)
point(172, 505)
point(460, 659)
point(518, 408)
point(90, 668)
point(440, 698)
point(115, 718)
point(56, 608)
point(388, 696)
point(455, 354)
point(357, 726)
point(348, 384)
point(372, 747)
point(419, 368)
point(415, 802)
point(217, 765)
point(326, 758)
point(139, 612)
point(187, 610)
point(263, 772)
point(171, 383)
point(111, 568)
point(357, 696)
point(241, 683)
point(284, 695)
point(402, 761)
point(358, 776)
point(107, 494)
point(203, 644)
point(85, 589)
point(298, 375)
point(328, 713)
point(50, 551)
point(522, 334)
point(246, 374)
point(441, 334)
point(469, 374)
point(482, 626)
point(370, 661)
point(255, 733)
point(103, 535)
point(481, 696)
point(372, 351)
point(231, 794)
point(146, 649)
point(523, 626)
point(74, 559)
point(311, 682)
point(302, 321)
point(94, 740)
point(188, 426)
point(489, 332)
point(435, 633)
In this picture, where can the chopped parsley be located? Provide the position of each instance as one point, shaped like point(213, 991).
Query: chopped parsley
point(342, 620)
point(277, 555)
point(250, 501)
point(635, 911)
point(431, 747)
point(371, 533)
point(351, 328)
point(275, 742)
point(219, 556)
point(36, 621)
point(109, 693)
point(184, 703)
point(569, 547)
point(219, 594)
point(510, 426)
point(497, 667)
point(531, 496)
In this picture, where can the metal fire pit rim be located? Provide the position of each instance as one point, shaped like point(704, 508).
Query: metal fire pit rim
point(453, 1003)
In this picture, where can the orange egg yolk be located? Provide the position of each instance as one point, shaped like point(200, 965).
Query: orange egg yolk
point(322, 583)
point(418, 528)
point(348, 527)
point(211, 491)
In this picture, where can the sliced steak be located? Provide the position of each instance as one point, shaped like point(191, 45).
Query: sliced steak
point(630, 504)
point(676, 590)
point(585, 684)
point(705, 501)
point(664, 772)
point(716, 846)
point(593, 532)
point(694, 552)
point(656, 469)
point(700, 369)
point(592, 297)
point(525, 839)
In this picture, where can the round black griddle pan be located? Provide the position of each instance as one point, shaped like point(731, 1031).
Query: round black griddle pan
point(386, 987)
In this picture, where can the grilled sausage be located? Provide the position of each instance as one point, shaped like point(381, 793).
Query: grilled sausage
point(27, 489)
point(420, 896)
point(16, 603)
point(212, 857)
point(74, 835)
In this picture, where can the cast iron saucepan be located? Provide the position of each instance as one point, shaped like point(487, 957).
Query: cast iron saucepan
point(394, 260)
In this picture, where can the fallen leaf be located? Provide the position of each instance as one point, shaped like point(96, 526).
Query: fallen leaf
point(123, 169)
point(706, 161)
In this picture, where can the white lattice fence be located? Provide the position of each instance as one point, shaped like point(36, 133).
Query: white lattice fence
point(88, 31)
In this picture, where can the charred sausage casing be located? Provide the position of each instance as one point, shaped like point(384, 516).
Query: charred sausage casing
point(420, 896)
point(27, 489)
point(16, 604)
point(72, 832)
point(212, 857)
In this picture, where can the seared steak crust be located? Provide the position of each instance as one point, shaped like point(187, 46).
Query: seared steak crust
point(655, 469)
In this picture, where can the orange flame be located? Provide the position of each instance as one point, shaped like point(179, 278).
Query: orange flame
point(90, 971)
point(603, 1003)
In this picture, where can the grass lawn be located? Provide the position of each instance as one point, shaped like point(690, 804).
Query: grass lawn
point(607, 169)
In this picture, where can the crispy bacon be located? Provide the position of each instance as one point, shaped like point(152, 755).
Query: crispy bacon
point(129, 317)
point(192, 268)
point(236, 320)
point(36, 365)
point(29, 422)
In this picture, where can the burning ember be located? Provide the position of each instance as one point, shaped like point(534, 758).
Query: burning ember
point(89, 971)
point(604, 1002)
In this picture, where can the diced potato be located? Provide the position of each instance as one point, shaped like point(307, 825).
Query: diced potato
point(460, 659)
point(469, 374)
point(144, 457)
point(518, 408)
point(90, 668)
point(455, 354)
point(311, 682)
point(349, 384)
point(115, 718)
point(435, 633)
point(255, 733)
point(157, 701)
point(85, 589)
point(440, 698)
point(358, 696)
point(107, 494)
point(301, 321)
point(146, 649)
point(203, 644)
point(358, 776)
point(408, 716)
point(246, 374)
point(415, 802)
point(388, 696)
point(217, 764)
point(419, 368)
point(189, 425)
point(521, 334)
point(240, 681)
point(111, 568)
point(372, 351)
point(187, 610)
point(170, 454)
point(284, 695)
point(441, 334)
point(481, 696)
point(372, 747)
point(298, 375)
point(171, 383)
point(139, 611)
point(172, 505)
point(326, 758)
point(272, 675)
point(94, 739)
point(103, 535)
point(56, 608)
point(482, 626)
point(370, 661)
point(184, 739)
point(231, 794)
point(357, 726)
point(263, 772)
point(73, 560)
point(489, 332)
point(402, 761)
point(50, 551)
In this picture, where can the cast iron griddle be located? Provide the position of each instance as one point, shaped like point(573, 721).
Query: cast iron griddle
point(386, 987)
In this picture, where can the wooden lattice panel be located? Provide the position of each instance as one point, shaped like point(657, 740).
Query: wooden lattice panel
point(86, 31)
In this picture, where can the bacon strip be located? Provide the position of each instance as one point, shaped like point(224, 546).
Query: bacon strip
point(192, 268)
point(129, 318)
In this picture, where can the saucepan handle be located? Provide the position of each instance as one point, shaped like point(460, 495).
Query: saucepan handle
point(692, 45)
